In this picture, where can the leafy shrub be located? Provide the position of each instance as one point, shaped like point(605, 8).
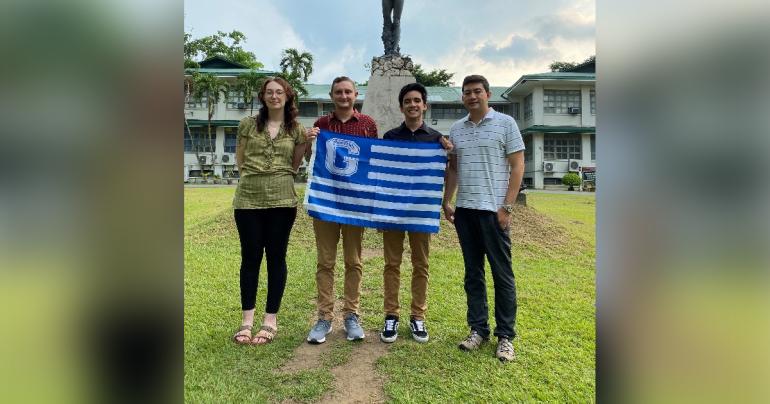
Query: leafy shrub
point(571, 179)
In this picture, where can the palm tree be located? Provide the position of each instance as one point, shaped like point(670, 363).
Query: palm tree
point(300, 64)
point(296, 67)
point(212, 88)
point(248, 83)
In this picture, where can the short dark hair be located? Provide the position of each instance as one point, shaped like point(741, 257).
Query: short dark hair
point(475, 78)
point(340, 79)
point(412, 87)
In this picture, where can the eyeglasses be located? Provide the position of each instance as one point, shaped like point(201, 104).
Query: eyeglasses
point(476, 91)
point(270, 93)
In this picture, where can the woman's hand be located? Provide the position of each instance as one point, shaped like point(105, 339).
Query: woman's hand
point(311, 133)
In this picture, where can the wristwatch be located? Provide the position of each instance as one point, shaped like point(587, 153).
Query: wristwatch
point(508, 208)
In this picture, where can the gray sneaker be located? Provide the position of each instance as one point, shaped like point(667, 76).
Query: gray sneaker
point(472, 342)
point(353, 328)
point(318, 332)
point(504, 350)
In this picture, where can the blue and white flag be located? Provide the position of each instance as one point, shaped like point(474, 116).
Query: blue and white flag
point(377, 183)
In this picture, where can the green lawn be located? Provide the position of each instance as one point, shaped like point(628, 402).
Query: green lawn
point(554, 267)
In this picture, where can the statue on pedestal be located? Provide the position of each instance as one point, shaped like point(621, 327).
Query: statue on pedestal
point(391, 25)
point(389, 72)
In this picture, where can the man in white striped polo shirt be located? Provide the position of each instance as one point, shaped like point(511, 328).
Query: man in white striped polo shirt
point(486, 168)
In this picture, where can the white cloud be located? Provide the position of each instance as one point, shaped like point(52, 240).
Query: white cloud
point(267, 31)
point(332, 63)
point(500, 39)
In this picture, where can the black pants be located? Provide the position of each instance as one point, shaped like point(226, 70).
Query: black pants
point(264, 230)
point(480, 235)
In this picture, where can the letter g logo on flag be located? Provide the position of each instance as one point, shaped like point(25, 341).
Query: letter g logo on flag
point(347, 149)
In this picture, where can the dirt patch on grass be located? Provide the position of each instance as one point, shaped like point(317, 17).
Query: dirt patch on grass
point(530, 228)
point(369, 253)
point(308, 356)
point(530, 231)
point(355, 380)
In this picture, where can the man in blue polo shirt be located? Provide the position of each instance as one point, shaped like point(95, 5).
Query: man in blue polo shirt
point(412, 100)
point(486, 169)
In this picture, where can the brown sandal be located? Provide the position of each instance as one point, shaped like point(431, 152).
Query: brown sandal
point(241, 337)
point(267, 333)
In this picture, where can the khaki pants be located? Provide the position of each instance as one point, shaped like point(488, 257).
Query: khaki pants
point(327, 236)
point(393, 242)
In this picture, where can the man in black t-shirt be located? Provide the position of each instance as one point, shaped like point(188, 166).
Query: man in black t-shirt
point(412, 102)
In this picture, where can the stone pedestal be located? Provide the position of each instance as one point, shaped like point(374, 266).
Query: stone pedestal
point(389, 74)
point(521, 199)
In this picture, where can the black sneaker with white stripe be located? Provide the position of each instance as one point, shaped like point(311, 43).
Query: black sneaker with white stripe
point(419, 332)
point(390, 329)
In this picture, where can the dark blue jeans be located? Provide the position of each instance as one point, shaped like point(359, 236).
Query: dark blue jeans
point(481, 236)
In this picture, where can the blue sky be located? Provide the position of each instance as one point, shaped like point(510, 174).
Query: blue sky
point(501, 39)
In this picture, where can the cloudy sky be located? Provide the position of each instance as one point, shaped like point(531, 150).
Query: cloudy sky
point(501, 39)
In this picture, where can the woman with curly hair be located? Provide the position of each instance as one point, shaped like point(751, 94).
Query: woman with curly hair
point(269, 150)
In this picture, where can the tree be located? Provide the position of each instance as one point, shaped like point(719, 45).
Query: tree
point(296, 67)
point(190, 51)
point(434, 78)
point(227, 45)
point(247, 84)
point(294, 62)
point(210, 87)
point(558, 66)
point(561, 66)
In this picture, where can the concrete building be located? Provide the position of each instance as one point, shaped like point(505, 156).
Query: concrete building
point(558, 121)
point(215, 155)
point(556, 113)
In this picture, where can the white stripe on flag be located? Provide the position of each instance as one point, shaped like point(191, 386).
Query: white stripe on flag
point(417, 193)
point(408, 152)
point(370, 202)
point(406, 165)
point(409, 179)
point(372, 218)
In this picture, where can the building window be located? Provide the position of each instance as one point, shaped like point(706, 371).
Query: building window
point(593, 147)
point(527, 147)
point(502, 108)
point(552, 181)
point(447, 111)
point(593, 102)
point(515, 110)
point(188, 145)
point(235, 100)
point(559, 101)
point(194, 103)
point(308, 109)
point(327, 108)
point(562, 147)
point(198, 138)
point(231, 138)
point(528, 182)
point(528, 107)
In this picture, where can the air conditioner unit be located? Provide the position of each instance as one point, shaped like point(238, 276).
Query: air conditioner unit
point(241, 105)
point(548, 166)
point(574, 166)
point(202, 159)
point(225, 158)
point(573, 110)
